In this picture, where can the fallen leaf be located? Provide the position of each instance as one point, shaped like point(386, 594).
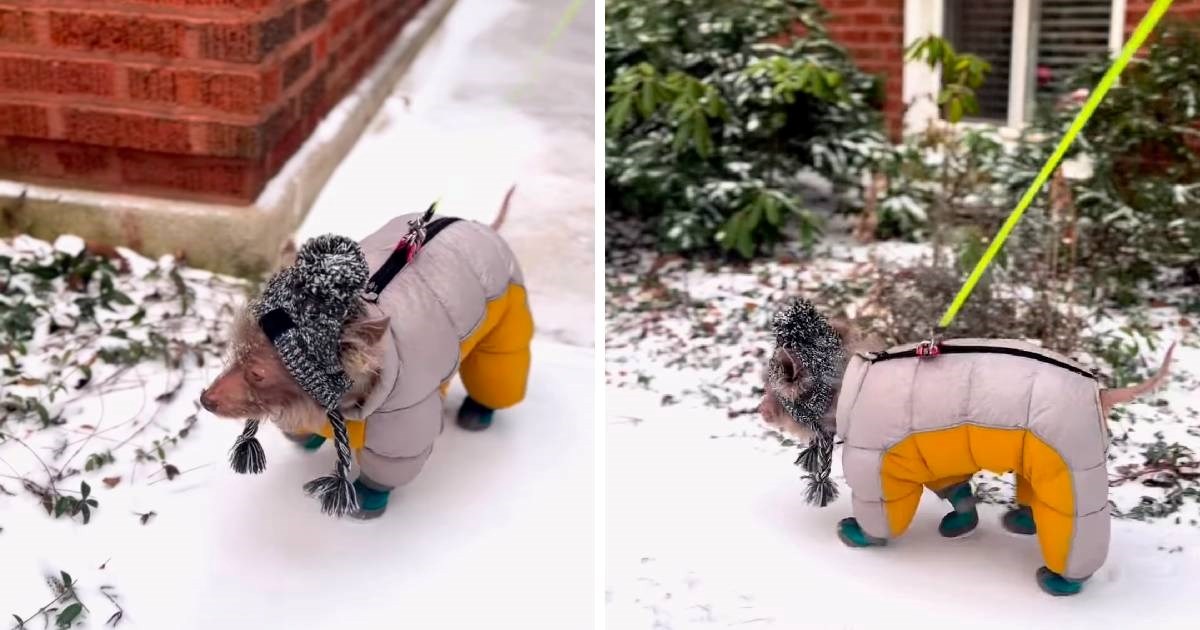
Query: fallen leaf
point(171, 470)
point(111, 481)
point(145, 518)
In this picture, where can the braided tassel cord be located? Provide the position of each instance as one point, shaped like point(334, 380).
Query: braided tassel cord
point(247, 455)
point(336, 492)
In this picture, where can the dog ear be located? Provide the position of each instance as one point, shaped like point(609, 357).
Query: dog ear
point(842, 328)
point(369, 331)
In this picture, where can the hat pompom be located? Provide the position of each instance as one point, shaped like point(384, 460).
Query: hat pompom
point(332, 266)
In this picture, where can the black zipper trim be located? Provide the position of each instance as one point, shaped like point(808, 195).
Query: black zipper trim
point(946, 349)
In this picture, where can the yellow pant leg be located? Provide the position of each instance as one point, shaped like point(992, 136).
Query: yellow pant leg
point(495, 369)
point(1054, 531)
point(900, 511)
point(1024, 491)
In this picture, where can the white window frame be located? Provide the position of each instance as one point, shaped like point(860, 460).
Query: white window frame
point(921, 84)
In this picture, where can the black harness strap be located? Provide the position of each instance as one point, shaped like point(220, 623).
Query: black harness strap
point(952, 349)
point(399, 258)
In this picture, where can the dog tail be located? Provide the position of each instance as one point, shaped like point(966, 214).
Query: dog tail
point(499, 220)
point(1110, 398)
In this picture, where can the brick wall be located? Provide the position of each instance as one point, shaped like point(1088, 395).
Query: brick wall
point(1135, 10)
point(185, 98)
point(873, 32)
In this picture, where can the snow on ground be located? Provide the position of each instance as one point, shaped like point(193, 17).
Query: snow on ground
point(498, 531)
point(706, 522)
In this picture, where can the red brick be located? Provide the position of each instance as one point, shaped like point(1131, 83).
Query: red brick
point(313, 13)
point(248, 41)
point(272, 83)
point(34, 74)
point(238, 141)
point(321, 46)
point(128, 130)
point(228, 92)
point(30, 121)
point(868, 19)
point(231, 42)
point(296, 65)
point(81, 161)
point(887, 37)
point(17, 159)
point(209, 4)
point(16, 26)
point(347, 16)
point(117, 33)
point(231, 178)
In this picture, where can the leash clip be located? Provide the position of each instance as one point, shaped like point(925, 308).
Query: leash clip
point(931, 347)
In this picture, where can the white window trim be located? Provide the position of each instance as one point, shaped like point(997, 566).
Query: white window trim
point(921, 84)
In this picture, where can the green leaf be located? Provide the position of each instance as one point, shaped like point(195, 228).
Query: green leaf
point(701, 135)
point(955, 110)
point(647, 103)
point(68, 615)
point(745, 244)
point(755, 214)
point(84, 489)
point(66, 578)
point(731, 230)
point(774, 217)
point(120, 298)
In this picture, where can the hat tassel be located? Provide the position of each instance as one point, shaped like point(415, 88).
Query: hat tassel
point(336, 491)
point(247, 455)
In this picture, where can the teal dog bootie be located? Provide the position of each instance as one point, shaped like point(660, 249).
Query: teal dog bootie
point(965, 517)
point(852, 534)
point(372, 501)
point(473, 416)
point(1056, 584)
point(309, 442)
point(1019, 521)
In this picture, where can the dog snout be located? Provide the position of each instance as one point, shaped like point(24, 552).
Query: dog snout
point(208, 402)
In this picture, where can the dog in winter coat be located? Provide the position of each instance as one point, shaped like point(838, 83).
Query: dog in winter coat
point(911, 419)
point(327, 353)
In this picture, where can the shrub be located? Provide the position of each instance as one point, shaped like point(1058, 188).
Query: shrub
point(714, 110)
point(1139, 209)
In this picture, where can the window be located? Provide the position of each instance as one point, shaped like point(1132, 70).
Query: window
point(1032, 46)
point(1069, 33)
point(984, 28)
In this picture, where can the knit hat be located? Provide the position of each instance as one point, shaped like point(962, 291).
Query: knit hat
point(807, 337)
point(303, 311)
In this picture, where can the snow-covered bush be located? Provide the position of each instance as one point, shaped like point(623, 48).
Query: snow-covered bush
point(716, 107)
point(1139, 208)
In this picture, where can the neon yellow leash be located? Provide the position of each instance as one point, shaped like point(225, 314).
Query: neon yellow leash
point(1135, 42)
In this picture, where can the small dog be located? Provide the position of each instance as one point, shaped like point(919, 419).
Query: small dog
point(931, 416)
point(323, 343)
